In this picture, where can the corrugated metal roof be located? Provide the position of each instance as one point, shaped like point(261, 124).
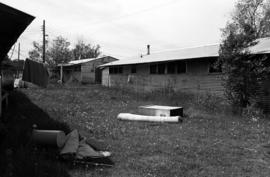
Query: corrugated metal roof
point(189, 53)
point(77, 62)
point(82, 61)
point(263, 46)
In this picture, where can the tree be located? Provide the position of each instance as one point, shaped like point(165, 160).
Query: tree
point(82, 50)
point(243, 72)
point(60, 52)
point(37, 52)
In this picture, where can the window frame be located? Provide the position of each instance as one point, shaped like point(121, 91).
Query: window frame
point(116, 70)
point(179, 69)
point(133, 69)
point(161, 68)
point(171, 69)
point(153, 68)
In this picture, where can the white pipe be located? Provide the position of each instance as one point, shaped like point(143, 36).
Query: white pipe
point(135, 117)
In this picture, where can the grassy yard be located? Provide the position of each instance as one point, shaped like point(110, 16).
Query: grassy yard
point(209, 141)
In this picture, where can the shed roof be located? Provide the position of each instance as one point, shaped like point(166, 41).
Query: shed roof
point(77, 62)
point(82, 61)
point(262, 47)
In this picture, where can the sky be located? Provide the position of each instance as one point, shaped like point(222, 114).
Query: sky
point(124, 28)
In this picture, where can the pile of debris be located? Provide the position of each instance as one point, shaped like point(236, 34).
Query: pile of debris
point(73, 147)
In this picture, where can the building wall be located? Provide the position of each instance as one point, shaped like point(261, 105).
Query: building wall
point(196, 79)
point(70, 76)
point(71, 73)
point(105, 77)
point(87, 72)
point(88, 69)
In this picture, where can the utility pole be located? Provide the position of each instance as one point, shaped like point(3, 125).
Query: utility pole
point(19, 48)
point(44, 42)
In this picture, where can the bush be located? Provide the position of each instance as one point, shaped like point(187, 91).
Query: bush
point(252, 112)
point(210, 102)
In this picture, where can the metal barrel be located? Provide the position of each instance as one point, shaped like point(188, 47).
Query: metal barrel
point(49, 137)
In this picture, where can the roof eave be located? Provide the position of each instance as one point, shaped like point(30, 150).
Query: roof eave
point(156, 61)
point(13, 23)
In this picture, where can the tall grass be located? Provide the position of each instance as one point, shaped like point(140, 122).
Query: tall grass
point(204, 101)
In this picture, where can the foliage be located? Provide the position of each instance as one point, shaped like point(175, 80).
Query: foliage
point(57, 53)
point(253, 113)
point(243, 71)
point(60, 52)
point(82, 50)
point(36, 53)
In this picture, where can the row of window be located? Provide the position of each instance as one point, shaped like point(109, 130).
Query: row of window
point(116, 70)
point(172, 68)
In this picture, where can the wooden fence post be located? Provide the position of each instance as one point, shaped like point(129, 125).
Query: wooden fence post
point(61, 73)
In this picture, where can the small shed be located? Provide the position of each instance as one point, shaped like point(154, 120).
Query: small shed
point(84, 70)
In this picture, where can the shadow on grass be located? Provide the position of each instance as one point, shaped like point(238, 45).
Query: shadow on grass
point(17, 154)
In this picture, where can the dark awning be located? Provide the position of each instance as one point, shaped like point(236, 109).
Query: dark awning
point(12, 23)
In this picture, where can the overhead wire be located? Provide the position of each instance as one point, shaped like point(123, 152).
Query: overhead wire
point(109, 21)
point(12, 51)
point(53, 31)
point(134, 13)
point(20, 54)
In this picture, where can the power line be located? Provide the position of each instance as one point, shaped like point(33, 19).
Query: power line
point(109, 21)
point(59, 31)
point(136, 12)
point(24, 56)
point(12, 51)
point(27, 38)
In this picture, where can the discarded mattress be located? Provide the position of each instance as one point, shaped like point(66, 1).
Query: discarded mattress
point(136, 117)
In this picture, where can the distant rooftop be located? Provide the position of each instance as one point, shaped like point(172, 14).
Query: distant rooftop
point(77, 62)
point(262, 47)
point(82, 61)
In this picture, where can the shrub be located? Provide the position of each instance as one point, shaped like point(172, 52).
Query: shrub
point(253, 113)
